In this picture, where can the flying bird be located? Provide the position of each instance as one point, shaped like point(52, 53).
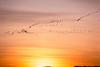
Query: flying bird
point(80, 18)
point(55, 21)
point(29, 27)
point(23, 31)
point(52, 21)
point(33, 25)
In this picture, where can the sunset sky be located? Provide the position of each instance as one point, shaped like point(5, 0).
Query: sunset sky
point(63, 44)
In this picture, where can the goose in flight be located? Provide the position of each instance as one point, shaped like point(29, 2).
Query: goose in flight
point(89, 14)
point(33, 25)
point(55, 21)
point(22, 31)
point(52, 21)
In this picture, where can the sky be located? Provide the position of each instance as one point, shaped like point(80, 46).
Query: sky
point(50, 5)
point(58, 36)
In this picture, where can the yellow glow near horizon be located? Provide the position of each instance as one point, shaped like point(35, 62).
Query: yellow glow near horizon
point(41, 62)
point(48, 61)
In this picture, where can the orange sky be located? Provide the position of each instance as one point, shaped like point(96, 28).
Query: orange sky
point(67, 43)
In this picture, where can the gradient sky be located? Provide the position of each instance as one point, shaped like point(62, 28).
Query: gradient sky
point(68, 43)
point(50, 5)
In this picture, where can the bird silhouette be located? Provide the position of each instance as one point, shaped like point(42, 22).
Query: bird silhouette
point(23, 31)
point(89, 14)
point(52, 21)
point(55, 21)
point(29, 27)
point(33, 25)
point(78, 19)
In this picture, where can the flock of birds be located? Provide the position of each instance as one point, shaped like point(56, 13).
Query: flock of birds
point(29, 27)
point(52, 21)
